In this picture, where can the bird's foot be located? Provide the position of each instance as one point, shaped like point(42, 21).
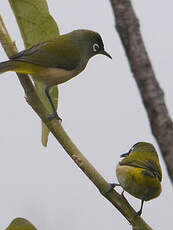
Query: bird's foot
point(122, 194)
point(111, 187)
point(139, 212)
point(54, 115)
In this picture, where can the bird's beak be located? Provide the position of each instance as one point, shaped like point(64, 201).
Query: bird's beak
point(105, 53)
point(124, 154)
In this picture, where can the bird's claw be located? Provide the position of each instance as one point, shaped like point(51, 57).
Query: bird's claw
point(139, 212)
point(111, 187)
point(122, 194)
point(54, 115)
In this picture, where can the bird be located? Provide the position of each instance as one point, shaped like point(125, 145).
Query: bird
point(139, 173)
point(20, 223)
point(56, 61)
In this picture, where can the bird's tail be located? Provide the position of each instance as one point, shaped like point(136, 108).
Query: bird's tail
point(6, 66)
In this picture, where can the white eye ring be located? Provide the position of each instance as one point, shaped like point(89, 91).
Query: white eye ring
point(96, 47)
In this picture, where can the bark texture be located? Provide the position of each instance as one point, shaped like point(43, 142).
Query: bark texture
point(127, 26)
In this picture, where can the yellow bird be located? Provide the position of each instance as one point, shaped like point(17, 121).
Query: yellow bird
point(20, 224)
point(139, 173)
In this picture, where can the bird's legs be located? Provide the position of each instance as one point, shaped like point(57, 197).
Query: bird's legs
point(54, 114)
point(112, 186)
point(140, 211)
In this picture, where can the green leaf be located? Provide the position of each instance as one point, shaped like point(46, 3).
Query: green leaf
point(20, 224)
point(37, 25)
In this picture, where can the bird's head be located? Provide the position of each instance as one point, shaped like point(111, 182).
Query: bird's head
point(90, 43)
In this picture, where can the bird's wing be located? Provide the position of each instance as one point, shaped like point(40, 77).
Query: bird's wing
point(147, 164)
point(148, 173)
point(51, 54)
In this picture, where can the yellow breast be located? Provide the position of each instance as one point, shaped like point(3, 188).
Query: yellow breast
point(138, 183)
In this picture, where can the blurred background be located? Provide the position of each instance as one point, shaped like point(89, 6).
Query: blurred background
point(101, 111)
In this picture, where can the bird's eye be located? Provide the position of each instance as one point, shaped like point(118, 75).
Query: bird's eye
point(96, 47)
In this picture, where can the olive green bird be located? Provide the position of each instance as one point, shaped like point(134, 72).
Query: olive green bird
point(139, 173)
point(57, 61)
point(20, 224)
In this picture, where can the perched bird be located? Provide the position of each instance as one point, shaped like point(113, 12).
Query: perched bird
point(56, 61)
point(20, 224)
point(139, 173)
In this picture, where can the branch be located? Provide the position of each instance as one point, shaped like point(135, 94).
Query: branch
point(57, 130)
point(152, 95)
